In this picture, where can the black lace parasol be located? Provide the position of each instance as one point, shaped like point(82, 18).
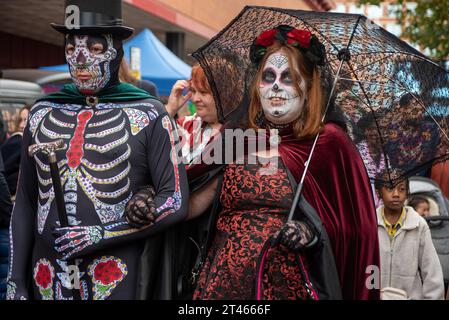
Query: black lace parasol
point(393, 99)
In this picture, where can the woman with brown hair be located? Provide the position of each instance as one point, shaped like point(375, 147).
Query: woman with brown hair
point(280, 109)
point(197, 130)
point(331, 244)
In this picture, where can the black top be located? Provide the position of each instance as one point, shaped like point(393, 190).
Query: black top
point(11, 157)
point(5, 198)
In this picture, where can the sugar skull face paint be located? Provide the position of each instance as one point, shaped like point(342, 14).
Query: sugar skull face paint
point(93, 61)
point(281, 102)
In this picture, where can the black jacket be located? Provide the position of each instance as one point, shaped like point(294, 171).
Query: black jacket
point(5, 198)
point(11, 151)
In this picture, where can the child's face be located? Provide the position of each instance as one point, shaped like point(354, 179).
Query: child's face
point(423, 209)
point(394, 198)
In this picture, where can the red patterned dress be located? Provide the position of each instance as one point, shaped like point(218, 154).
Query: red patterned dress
point(254, 207)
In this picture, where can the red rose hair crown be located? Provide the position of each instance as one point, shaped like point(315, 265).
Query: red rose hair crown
point(302, 39)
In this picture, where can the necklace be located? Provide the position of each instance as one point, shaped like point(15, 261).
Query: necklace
point(264, 122)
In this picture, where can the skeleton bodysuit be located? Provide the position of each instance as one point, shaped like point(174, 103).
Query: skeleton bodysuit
point(111, 150)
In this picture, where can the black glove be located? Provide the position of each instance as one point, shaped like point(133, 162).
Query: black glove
point(141, 209)
point(295, 235)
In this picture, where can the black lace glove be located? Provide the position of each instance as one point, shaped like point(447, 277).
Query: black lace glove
point(295, 235)
point(141, 209)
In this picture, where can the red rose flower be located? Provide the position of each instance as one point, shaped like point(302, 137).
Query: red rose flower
point(300, 36)
point(267, 38)
point(43, 276)
point(107, 272)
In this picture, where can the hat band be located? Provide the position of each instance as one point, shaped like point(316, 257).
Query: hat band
point(90, 19)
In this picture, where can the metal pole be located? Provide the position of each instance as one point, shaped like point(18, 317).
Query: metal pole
point(57, 188)
point(306, 167)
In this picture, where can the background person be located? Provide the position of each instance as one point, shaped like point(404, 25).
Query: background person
point(410, 267)
point(421, 205)
point(11, 150)
point(197, 130)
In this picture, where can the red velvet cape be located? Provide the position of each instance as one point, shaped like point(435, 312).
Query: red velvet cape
point(337, 186)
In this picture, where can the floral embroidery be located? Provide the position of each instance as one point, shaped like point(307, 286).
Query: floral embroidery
point(43, 277)
point(302, 39)
point(106, 274)
point(138, 120)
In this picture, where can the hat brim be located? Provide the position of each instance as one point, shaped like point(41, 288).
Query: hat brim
point(121, 31)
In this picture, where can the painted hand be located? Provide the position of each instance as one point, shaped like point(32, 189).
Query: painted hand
point(295, 235)
point(141, 209)
point(71, 240)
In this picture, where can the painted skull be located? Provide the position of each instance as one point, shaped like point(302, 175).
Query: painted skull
point(92, 61)
point(281, 102)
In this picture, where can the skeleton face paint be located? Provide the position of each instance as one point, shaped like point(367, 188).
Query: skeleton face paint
point(93, 62)
point(280, 100)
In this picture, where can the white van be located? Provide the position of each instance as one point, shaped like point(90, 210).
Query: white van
point(50, 81)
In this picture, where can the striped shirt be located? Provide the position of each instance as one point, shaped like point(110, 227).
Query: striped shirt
point(194, 135)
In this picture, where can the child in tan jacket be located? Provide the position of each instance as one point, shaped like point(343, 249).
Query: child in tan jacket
point(410, 267)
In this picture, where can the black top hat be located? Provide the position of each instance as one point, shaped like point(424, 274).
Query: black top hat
point(95, 16)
